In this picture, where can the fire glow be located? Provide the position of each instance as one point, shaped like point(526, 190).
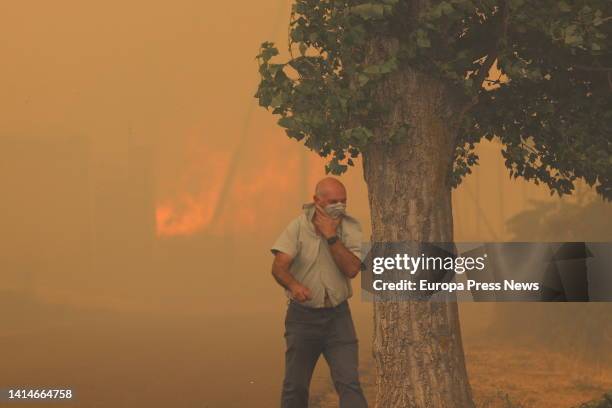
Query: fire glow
point(251, 195)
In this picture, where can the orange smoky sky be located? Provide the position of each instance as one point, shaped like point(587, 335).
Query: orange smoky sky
point(179, 79)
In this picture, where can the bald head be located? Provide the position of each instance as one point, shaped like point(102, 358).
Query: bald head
point(329, 190)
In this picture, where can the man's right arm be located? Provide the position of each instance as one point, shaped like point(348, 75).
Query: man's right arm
point(280, 271)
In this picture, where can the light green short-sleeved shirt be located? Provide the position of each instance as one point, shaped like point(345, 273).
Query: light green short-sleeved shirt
point(313, 265)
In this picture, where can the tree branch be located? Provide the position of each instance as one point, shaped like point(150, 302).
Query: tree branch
point(493, 53)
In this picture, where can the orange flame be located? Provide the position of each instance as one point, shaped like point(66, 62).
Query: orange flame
point(199, 188)
point(257, 192)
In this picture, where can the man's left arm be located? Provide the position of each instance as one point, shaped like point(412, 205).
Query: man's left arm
point(348, 263)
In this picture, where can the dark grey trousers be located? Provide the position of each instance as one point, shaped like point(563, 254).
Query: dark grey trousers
point(310, 332)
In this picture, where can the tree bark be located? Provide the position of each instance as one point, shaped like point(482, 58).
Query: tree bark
point(417, 344)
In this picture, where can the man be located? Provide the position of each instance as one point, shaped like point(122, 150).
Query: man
point(314, 259)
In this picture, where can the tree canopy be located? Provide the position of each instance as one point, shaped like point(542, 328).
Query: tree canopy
point(550, 103)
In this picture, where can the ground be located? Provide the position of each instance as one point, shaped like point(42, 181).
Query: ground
point(506, 375)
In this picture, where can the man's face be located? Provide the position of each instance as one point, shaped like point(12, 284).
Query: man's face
point(332, 195)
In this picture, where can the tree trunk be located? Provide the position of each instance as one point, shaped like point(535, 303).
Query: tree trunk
point(417, 344)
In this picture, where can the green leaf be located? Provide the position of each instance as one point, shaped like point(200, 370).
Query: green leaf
point(389, 65)
point(435, 12)
point(384, 68)
point(422, 39)
point(277, 100)
point(369, 11)
point(287, 122)
point(563, 6)
point(297, 34)
point(446, 8)
point(372, 69)
point(268, 50)
point(294, 134)
point(571, 37)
